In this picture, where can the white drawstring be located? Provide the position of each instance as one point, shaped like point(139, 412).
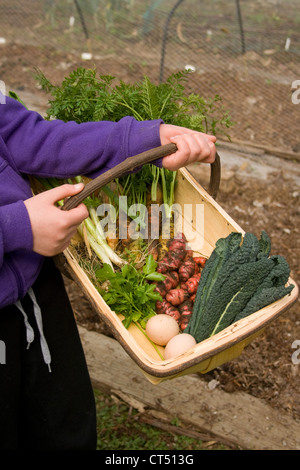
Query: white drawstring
point(29, 329)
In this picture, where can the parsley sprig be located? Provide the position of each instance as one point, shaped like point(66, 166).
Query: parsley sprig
point(130, 291)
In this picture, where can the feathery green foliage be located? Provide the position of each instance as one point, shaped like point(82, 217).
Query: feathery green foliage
point(86, 96)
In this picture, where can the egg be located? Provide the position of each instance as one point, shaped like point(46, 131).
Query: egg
point(161, 328)
point(179, 344)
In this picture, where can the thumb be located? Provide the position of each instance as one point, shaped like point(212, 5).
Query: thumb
point(63, 191)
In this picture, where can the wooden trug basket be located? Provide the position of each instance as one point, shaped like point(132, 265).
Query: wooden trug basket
point(214, 351)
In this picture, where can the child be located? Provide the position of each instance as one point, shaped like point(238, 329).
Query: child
point(46, 399)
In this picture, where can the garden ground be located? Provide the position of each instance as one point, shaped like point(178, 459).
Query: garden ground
point(265, 370)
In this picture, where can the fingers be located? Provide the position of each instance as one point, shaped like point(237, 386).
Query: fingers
point(52, 228)
point(75, 216)
point(168, 131)
point(63, 191)
point(192, 147)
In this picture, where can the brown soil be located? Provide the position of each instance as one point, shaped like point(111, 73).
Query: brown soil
point(265, 370)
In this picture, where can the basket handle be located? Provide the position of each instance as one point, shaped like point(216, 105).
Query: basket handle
point(133, 162)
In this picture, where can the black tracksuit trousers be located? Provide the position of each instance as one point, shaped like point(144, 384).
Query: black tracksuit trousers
point(42, 410)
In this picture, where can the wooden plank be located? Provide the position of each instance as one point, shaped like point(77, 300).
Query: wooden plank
point(237, 418)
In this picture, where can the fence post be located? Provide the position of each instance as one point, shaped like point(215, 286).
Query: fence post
point(239, 15)
point(164, 41)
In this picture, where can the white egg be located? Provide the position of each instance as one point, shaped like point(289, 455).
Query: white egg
point(179, 344)
point(161, 328)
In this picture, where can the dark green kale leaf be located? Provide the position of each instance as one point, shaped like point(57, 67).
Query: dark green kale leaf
point(271, 289)
point(231, 296)
point(238, 279)
point(265, 244)
point(210, 274)
point(264, 298)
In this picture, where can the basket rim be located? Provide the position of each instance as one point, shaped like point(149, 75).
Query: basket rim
point(225, 339)
point(230, 336)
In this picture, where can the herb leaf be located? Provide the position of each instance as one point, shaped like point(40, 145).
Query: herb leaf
point(150, 265)
point(129, 291)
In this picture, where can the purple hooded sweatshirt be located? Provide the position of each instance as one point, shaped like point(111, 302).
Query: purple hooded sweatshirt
point(30, 145)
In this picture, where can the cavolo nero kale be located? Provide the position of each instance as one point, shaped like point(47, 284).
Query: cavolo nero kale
point(239, 278)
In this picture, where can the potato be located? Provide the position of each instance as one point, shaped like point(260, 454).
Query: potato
point(161, 328)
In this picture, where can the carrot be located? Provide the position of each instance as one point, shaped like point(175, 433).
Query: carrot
point(173, 312)
point(161, 289)
point(176, 296)
point(184, 323)
point(200, 260)
point(192, 283)
point(161, 305)
point(172, 280)
point(186, 310)
point(168, 309)
point(175, 255)
point(187, 269)
point(177, 243)
point(154, 250)
point(171, 261)
point(183, 286)
point(186, 307)
point(189, 254)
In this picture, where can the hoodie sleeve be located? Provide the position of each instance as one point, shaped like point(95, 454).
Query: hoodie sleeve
point(15, 229)
point(55, 148)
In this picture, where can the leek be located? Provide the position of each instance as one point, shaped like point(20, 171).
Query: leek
point(94, 226)
point(94, 233)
